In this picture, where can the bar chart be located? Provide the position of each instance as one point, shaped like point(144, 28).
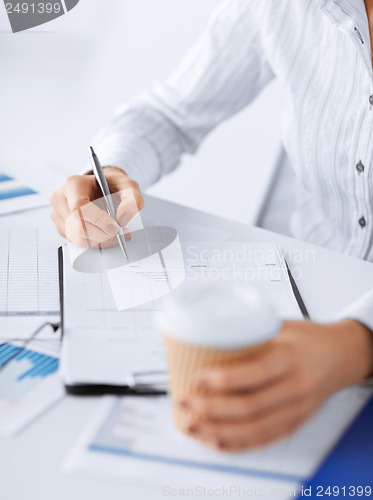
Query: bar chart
point(20, 371)
point(15, 196)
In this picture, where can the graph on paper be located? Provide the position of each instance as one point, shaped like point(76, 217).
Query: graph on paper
point(15, 196)
point(29, 384)
point(20, 370)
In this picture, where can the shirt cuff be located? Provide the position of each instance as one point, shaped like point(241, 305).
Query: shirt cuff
point(360, 310)
point(136, 157)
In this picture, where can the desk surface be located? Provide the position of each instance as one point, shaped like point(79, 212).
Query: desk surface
point(30, 463)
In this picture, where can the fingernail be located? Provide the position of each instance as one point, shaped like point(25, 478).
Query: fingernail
point(111, 229)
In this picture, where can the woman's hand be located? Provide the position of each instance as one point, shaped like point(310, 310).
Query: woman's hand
point(88, 224)
point(257, 402)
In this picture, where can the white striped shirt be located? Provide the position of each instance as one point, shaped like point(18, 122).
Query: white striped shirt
point(320, 50)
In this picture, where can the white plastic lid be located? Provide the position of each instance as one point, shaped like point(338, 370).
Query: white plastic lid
point(221, 314)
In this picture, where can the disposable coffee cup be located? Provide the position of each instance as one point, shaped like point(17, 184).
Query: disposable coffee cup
point(211, 324)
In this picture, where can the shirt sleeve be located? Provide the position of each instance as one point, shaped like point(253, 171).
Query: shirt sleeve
point(222, 74)
point(360, 310)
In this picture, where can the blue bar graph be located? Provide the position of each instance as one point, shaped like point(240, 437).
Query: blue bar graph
point(16, 193)
point(41, 364)
point(16, 196)
point(5, 178)
point(22, 370)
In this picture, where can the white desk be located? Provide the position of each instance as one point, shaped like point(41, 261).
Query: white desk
point(30, 463)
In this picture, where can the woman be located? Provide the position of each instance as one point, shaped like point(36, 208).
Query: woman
point(320, 50)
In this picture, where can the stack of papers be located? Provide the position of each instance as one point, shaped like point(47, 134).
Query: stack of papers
point(29, 383)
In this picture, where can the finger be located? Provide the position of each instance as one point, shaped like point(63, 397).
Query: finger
point(59, 203)
point(78, 193)
point(82, 237)
point(77, 228)
point(243, 406)
point(85, 234)
point(93, 214)
point(83, 243)
point(59, 222)
point(109, 243)
point(112, 242)
point(256, 432)
point(131, 202)
point(276, 362)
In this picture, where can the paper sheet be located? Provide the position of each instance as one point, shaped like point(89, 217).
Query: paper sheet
point(124, 342)
point(132, 438)
point(259, 264)
point(29, 291)
point(120, 342)
point(29, 383)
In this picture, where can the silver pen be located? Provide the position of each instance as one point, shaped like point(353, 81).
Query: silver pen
point(103, 185)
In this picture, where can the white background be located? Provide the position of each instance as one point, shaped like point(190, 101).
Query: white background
point(61, 81)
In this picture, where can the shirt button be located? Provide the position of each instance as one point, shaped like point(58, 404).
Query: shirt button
point(362, 222)
point(360, 167)
point(371, 100)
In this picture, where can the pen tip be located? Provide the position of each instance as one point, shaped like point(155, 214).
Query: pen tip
point(91, 150)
